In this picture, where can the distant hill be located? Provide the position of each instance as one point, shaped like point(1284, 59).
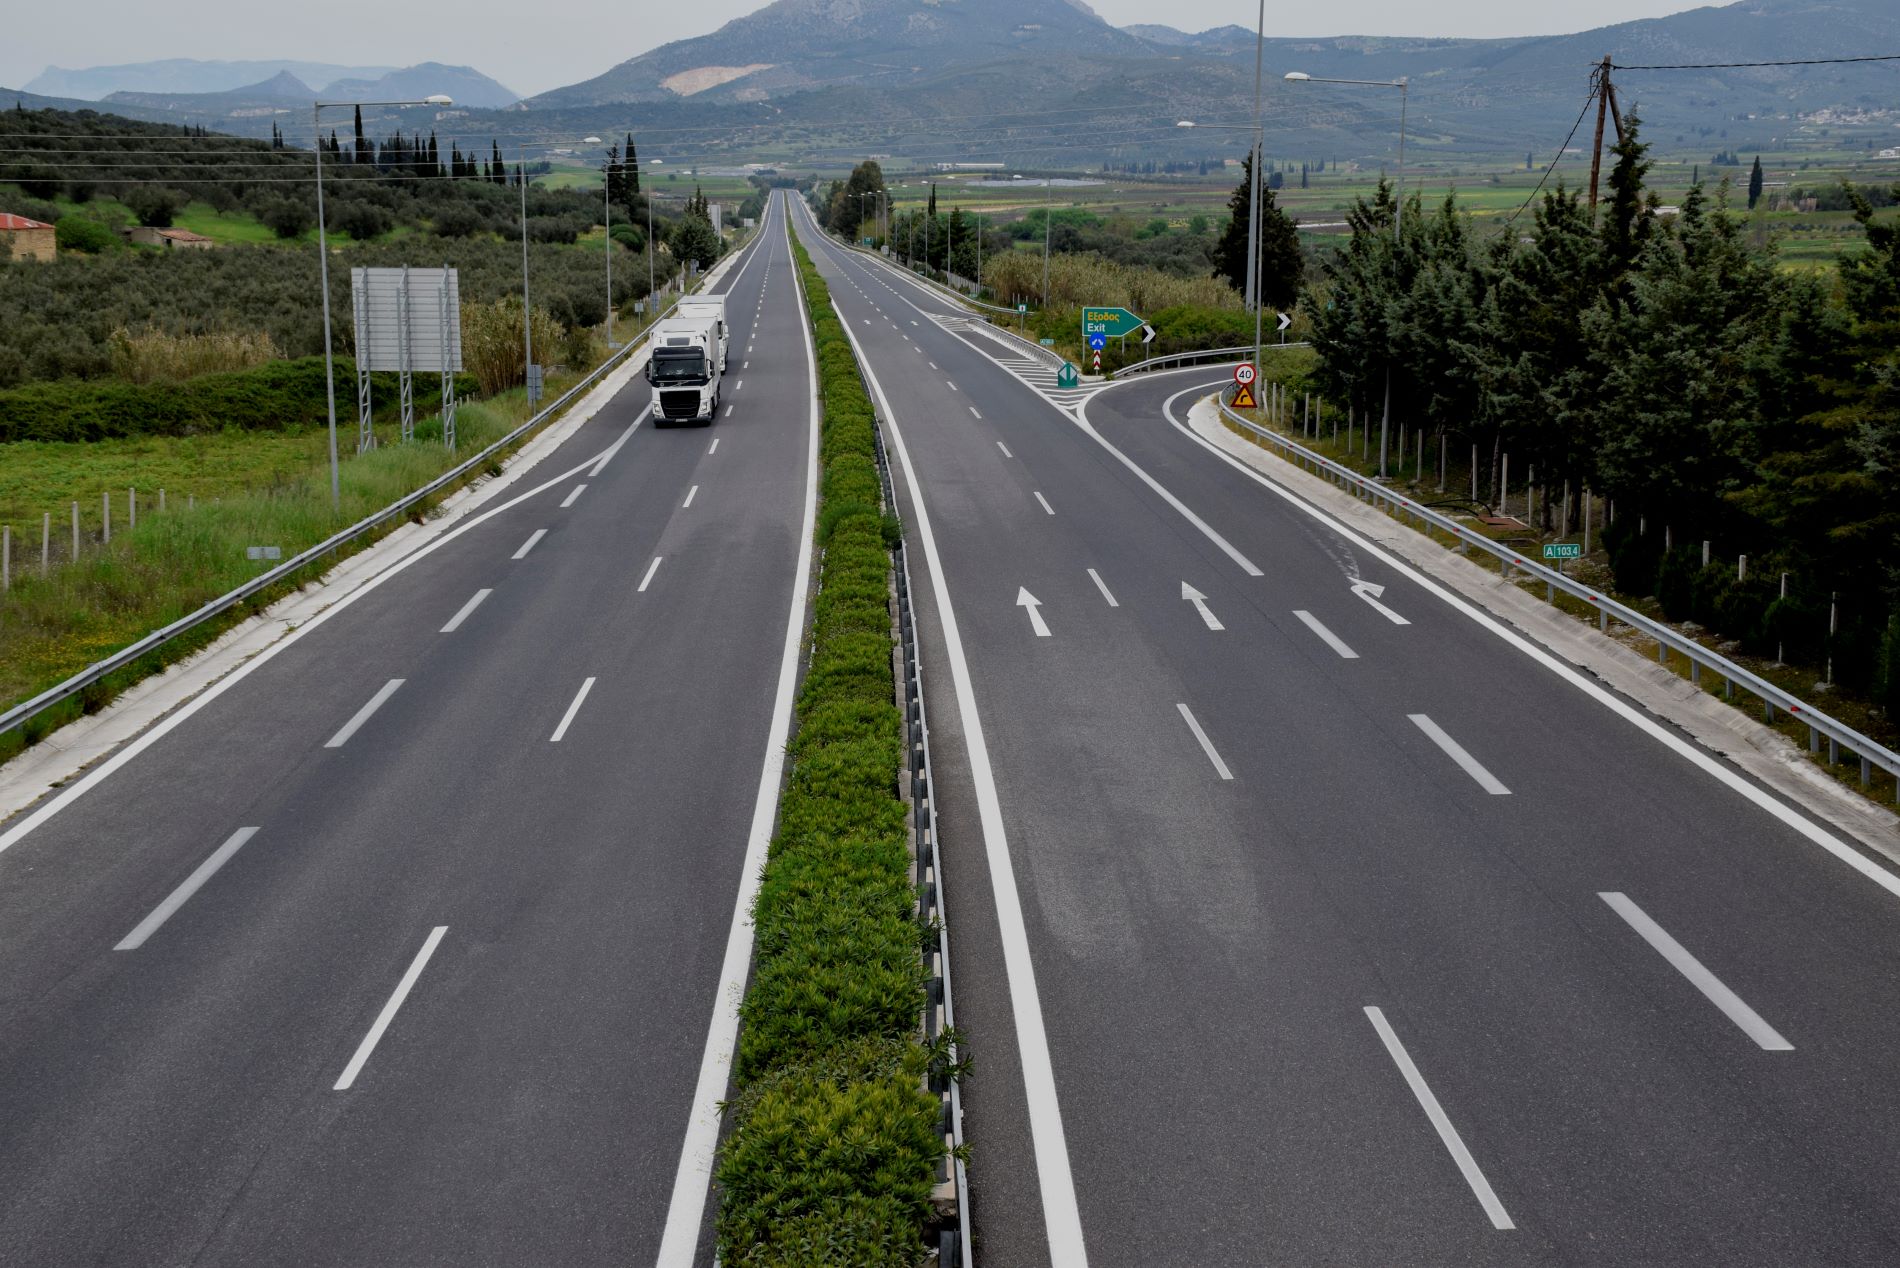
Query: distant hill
point(185, 75)
point(793, 45)
point(1018, 64)
point(251, 106)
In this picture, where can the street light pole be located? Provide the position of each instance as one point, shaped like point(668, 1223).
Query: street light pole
point(1259, 161)
point(323, 272)
point(527, 312)
point(1046, 215)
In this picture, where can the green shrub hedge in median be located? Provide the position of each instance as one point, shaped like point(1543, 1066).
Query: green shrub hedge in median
point(277, 396)
point(834, 1144)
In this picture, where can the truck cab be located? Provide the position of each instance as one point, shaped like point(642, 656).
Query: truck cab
point(685, 369)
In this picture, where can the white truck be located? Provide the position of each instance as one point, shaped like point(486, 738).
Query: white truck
point(685, 369)
point(712, 307)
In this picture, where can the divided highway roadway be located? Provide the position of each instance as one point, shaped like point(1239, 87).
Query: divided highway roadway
point(403, 949)
point(1306, 915)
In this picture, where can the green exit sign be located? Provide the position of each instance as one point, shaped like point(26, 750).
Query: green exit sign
point(1564, 550)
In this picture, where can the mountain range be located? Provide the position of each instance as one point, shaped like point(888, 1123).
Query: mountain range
point(1049, 83)
point(207, 88)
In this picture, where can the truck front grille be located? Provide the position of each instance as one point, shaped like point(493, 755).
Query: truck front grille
point(679, 404)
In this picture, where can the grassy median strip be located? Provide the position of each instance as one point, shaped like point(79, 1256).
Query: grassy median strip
point(834, 1144)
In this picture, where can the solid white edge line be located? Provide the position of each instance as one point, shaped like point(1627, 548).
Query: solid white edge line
point(1696, 756)
point(1207, 745)
point(1326, 636)
point(455, 622)
point(178, 897)
point(1101, 585)
point(1062, 1217)
point(1456, 752)
point(578, 490)
point(388, 1014)
point(1045, 504)
point(651, 569)
point(178, 716)
point(363, 714)
point(692, 1180)
point(1448, 1134)
point(529, 545)
point(690, 495)
point(1750, 1021)
point(567, 718)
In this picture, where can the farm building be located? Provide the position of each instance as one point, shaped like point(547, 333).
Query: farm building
point(30, 239)
point(170, 239)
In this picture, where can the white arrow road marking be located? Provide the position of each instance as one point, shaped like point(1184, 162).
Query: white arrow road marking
point(1199, 601)
point(1721, 996)
point(205, 871)
point(1103, 587)
point(1331, 639)
point(1024, 599)
point(1370, 593)
point(1456, 751)
point(1454, 1144)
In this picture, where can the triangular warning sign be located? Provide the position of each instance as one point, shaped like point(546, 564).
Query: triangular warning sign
point(1243, 397)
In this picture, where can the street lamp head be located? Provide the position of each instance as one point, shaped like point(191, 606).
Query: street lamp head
point(590, 140)
point(1297, 76)
point(439, 99)
point(1185, 123)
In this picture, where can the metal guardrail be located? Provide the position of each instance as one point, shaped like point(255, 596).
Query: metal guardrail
point(25, 712)
point(1206, 354)
point(1820, 726)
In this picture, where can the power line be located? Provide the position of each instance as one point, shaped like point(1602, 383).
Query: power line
point(1804, 61)
point(1556, 158)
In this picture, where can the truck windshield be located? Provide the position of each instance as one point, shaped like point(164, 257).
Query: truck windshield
point(678, 366)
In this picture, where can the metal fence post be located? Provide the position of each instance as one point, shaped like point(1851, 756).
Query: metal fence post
point(132, 509)
point(46, 540)
point(75, 558)
point(6, 557)
point(105, 517)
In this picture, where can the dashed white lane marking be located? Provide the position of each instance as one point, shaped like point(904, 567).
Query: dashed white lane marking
point(1101, 585)
point(1326, 636)
point(1455, 751)
point(690, 495)
point(651, 569)
point(578, 490)
point(1207, 745)
point(1045, 503)
point(1005, 449)
point(1722, 997)
point(388, 1014)
point(363, 714)
point(567, 718)
point(973, 412)
point(528, 545)
point(178, 897)
point(463, 615)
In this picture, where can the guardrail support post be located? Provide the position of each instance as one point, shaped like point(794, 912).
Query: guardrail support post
point(1603, 619)
point(1833, 752)
point(1662, 652)
point(1866, 772)
point(1695, 671)
point(1814, 740)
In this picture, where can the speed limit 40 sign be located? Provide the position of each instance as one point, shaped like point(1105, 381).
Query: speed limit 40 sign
point(1245, 374)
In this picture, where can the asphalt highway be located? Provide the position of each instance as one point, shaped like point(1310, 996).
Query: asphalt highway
point(1301, 922)
point(402, 950)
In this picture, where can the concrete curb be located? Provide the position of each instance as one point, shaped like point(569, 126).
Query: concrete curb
point(67, 752)
point(1767, 755)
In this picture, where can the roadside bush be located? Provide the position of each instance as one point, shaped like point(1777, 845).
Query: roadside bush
point(82, 233)
point(279, 396)
point(288, 217)
point(833, 1143)
point(153, 355)
point(491, 342)
point(361, 220)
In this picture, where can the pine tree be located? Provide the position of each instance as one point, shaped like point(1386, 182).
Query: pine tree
point(1629, 221)
point(1281, 264)
point(1754, 184)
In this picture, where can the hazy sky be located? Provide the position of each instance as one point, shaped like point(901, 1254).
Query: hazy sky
point(592, 35)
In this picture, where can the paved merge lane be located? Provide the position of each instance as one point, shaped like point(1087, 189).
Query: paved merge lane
point(526, 1100)
point(1540, 1084)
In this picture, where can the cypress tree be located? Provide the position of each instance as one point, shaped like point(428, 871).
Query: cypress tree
point(633, 171)
point(363, 154)
point(1754, 184)
point(1281, 265)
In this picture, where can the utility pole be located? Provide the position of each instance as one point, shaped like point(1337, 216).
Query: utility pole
point(1045, 237)
point(1606, 108)
point(527, 313)
point(1253, 212)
